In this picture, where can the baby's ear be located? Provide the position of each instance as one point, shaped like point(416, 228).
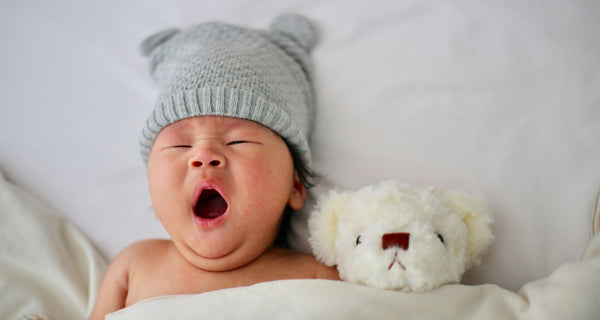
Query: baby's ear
point(298, 196)
point(156, 40)
point(477, 217)
point(323, 225)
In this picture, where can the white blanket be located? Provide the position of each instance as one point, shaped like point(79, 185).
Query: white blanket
point(571, 292)
point(47, 267)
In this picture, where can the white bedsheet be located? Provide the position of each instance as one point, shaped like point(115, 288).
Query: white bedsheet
point(497, 97)
point(47, 267)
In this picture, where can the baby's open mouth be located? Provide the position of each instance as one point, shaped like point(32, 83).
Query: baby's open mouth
point(210, 205)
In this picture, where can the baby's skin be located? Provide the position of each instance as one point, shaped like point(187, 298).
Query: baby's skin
point(219, 186)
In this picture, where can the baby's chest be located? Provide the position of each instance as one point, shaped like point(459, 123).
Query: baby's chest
point(159, 280)
point(172, 280)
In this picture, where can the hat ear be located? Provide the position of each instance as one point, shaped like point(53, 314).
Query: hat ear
point(156, 40)
point(477, 218)
point(323, 225)
point(297, 28)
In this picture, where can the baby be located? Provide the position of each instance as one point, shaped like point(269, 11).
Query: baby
point(227, 155)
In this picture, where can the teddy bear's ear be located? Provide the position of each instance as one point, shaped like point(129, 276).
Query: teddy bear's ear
point(323, 225)
point(477, 218)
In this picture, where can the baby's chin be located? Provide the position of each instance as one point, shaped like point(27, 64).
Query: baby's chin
point(221, 259)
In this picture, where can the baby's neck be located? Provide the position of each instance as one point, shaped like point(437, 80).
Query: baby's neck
point(166, 272)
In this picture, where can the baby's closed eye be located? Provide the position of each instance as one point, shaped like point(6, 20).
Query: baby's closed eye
point(232, 143)
point(175, 146)
point(245, 142)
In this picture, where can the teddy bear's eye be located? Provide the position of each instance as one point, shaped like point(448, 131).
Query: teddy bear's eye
point(358, 240)
point(439, 235)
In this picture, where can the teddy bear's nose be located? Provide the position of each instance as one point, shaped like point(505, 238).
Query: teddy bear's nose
point(398, 240)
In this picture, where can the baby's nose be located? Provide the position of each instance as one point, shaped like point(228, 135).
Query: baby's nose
point(211, 163)
point(398, 240)
point(207, 158)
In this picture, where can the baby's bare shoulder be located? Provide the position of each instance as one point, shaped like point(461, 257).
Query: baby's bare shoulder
point(116, 288)
point(140, 253)
point(147, 246)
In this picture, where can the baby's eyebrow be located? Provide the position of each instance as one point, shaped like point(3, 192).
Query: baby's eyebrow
point(176, 127)
point(169, 138)
point(243, 130)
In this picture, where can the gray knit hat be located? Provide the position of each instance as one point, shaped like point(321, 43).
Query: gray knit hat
point(224, 70)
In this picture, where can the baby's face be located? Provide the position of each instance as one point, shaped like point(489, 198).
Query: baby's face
point(219, 186)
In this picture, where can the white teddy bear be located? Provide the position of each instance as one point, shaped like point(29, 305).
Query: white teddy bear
point(397, 236)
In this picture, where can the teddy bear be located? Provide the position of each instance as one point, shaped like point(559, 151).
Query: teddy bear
point(400, 237)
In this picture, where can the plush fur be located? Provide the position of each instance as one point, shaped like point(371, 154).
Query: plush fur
point(448, 232)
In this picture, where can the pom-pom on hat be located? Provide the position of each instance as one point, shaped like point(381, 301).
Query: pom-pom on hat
point(217, 69)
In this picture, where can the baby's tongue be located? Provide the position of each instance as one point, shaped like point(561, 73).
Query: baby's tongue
point(211, 206)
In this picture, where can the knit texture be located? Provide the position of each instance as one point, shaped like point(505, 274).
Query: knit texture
point(217, 69)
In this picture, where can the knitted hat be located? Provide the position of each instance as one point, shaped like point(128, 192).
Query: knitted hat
point(219, 69)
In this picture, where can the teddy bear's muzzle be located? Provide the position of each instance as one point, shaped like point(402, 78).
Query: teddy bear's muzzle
point(396, 240)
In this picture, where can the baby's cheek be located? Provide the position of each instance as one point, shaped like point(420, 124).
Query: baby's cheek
point(272, 176)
